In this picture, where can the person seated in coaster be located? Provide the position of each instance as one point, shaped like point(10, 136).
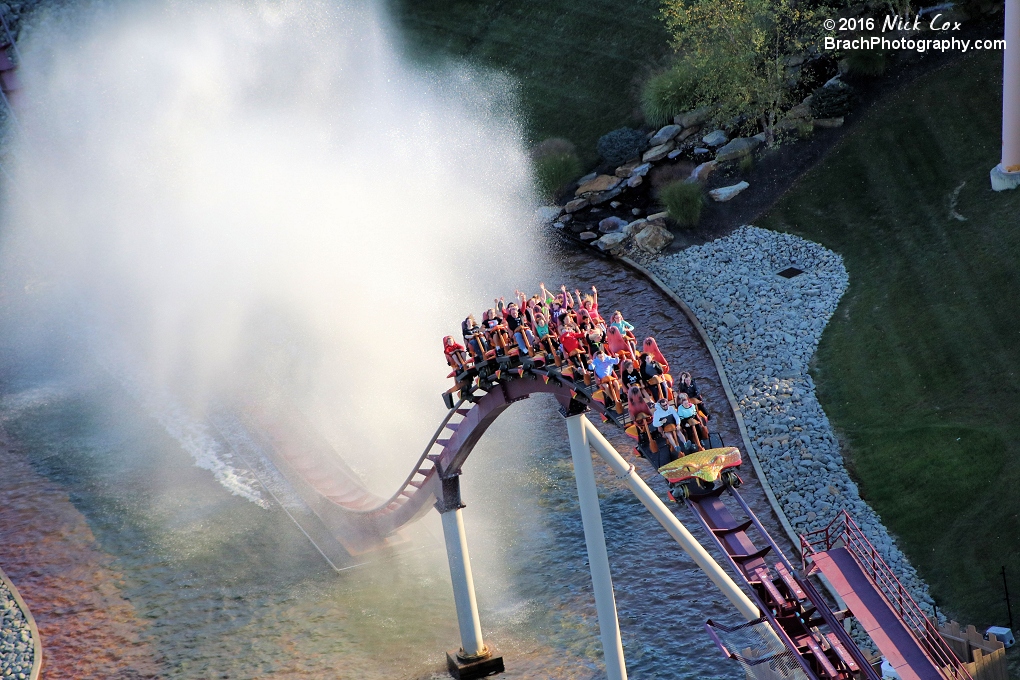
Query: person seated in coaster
point(474, 338)
point(571, 340)
point(630, 376)
point(651, 374)
point(590, 303)
point(641, 416)
point(617, 320)
point(691, 420)
point(518, 326)
point(546, 339)
point(495, 331)
point(558, 299)
point(455, 354)
point(602, 364)
point(688, 386)
point(458, 360)
point(594, 334)
point(651, 347)
point(667, 420)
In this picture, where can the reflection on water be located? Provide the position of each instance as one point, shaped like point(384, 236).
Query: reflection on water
point(137, 563)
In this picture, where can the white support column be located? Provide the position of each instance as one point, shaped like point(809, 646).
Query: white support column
point(595, 540)
point(1006, 175)
point(669, 521)
point(463, 586)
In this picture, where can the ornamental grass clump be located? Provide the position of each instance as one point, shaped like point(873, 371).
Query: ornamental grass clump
point(683, 201)
point(670, 93)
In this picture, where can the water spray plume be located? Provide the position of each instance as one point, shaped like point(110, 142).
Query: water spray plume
point(266, 189)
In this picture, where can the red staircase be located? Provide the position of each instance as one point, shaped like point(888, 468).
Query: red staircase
point(907, 638)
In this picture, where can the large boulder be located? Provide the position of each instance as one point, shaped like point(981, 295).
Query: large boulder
point(694, 117)
point(715, 138)
point(625, 170)
point(724, 194)
point(635, 227)
point(685, 134)
point(597, 184)
point(701, 173)
point(664, 135)
point(576, 204)
point(603, 196)
point(641, 170)
point(736, 148)
point(612, 225)
point(657, 153)
point(653, 238)
point(611, 242)
point(548, 213)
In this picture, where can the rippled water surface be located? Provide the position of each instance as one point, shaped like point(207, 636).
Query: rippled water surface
point(137, 563)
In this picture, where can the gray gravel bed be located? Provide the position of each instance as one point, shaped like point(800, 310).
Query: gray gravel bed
point(766, 329)
point(16, 645)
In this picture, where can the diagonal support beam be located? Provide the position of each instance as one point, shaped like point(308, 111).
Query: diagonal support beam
point(669, 521)
point(595, 540)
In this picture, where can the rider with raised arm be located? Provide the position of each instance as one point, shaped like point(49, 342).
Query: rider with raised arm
point(602, 364)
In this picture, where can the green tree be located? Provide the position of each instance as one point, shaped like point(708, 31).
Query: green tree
point(741, 49)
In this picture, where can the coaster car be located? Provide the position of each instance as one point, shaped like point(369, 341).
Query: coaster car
point(702, 473)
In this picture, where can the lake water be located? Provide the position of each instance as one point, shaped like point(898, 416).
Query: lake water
point(138, 563)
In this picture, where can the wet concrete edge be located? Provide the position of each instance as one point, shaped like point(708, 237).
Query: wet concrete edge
point(37, 654)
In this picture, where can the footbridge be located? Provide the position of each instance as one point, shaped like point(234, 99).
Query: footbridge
point(791, 631)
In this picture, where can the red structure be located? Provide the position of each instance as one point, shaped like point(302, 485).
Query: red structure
point(907, 638)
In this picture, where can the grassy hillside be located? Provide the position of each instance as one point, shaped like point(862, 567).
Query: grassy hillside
point(919, 368)
point(579, 64)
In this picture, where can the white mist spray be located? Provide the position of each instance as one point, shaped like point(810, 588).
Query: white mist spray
point(238, 187)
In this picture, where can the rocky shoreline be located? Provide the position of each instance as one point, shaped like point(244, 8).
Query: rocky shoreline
point(17, 644)
point(766, 328)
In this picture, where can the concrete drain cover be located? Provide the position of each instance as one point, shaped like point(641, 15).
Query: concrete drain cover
point(790, 272)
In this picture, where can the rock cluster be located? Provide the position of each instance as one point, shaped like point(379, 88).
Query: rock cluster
point(766, 329)
point(626, 191)
point(16, 644)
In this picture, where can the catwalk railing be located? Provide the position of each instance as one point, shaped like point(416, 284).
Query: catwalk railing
point(844, 532)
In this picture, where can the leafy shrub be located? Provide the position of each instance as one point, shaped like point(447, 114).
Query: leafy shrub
point(683, 202)
point(619, 146)
point(669, 93)
point(554, 172)
point(866, 62)
point(832, 102)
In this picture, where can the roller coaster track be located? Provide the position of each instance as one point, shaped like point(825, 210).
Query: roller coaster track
point(810, 640)
point(361, 520)
point(10, 91)
point(813, 641)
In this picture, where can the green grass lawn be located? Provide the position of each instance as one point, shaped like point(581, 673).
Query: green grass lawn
point(918, 368)
point(580, 65)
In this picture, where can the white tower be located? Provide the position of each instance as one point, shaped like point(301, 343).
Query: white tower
point(1006, 175)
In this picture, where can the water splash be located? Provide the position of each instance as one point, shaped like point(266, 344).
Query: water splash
point(267, 190)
